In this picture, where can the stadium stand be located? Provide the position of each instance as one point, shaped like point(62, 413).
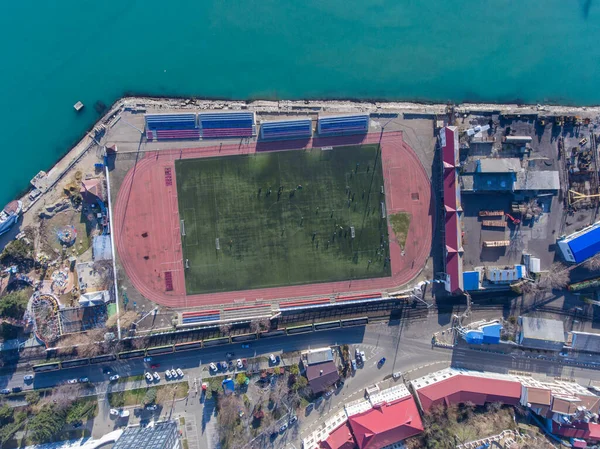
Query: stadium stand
point(200, 317)
point(227, 124)
point(343, 124)
point(286, 129)
point(171, 126)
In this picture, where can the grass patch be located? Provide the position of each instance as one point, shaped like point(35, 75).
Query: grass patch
point(185, 444)
point(136, 396)
point(297, 235)
point(135, 378)
point(400, 223)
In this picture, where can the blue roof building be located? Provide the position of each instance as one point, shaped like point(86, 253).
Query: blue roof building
point(581, 245)
point(471, 280)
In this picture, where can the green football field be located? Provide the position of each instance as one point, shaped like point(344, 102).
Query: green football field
point(282, 218)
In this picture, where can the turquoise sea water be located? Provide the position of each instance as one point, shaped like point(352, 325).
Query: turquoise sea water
point(56, 53)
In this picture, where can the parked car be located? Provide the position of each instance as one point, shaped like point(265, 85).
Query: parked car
point(328, 394)
point(17, 389)
point(174, 374)
point(212, 367)
point(148, 377)
point(381, 361)
point(224, 365)
point(114, 378)
point(362, 356)
point(168, 374)
point(357, 353)
point(293, 419)
point(84, 380)
point(397, 375)
point(28, 377)
point(72, 381)
point(283, 428)
point(246, 346)
point(272, 359)
point(354, 365)
point(239, 364)
point(151, 407)
point(114, 412)
point(147, 359)
point(5, 391)
point(179, 372)
point(156, 376)
point(124, 413)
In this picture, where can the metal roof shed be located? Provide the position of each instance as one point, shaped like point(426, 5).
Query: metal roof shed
point(542, 333)
point(471, 280)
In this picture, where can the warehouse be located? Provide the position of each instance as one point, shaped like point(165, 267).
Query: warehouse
point(581, 245)
point(541, 333)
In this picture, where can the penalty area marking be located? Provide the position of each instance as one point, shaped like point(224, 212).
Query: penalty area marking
point(187, 216)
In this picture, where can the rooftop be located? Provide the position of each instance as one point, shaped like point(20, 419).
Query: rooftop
point(321, 376)
point(504, 165)
point(537, 180)
point(542, 329)
point(386, 424)
point(319, 355)
point(159, 436)
point(452, 386)
point(585, 341)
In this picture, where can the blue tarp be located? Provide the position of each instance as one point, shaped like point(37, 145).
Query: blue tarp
point(471, 280)
point(586, 245)
point(491, 333)
point(474, 337)
point(228, 385)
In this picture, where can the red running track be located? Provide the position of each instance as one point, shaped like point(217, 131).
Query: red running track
point(148, 235)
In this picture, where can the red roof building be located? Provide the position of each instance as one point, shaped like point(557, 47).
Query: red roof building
point(386, 424)
point(452, 209)
point(340, 438)
point(449, 387)
point(586, 431)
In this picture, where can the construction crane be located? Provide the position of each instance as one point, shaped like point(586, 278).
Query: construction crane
point(578, 196)
point(515, 221)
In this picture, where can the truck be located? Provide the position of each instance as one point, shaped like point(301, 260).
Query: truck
point(495, 243)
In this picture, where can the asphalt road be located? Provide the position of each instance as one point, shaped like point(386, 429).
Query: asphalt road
point(187, 360)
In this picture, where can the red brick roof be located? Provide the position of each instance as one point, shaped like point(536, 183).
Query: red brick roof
point(461, 388)
point(386, 424)
point(340, 438)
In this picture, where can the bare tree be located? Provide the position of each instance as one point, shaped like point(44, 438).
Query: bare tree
point(126, 318)
point(167, 393)
point(557, 277)
point(593, 263)
point(64, 395)
point(263, 324)
point(225, 328)
point(279, 391)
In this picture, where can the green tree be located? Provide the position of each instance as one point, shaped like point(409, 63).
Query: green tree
point(17, 251)
point(32, 397)
point(47, 424)
point(301, 382)
point(241, 379)
point(8, 331)
point(294, 369)
point(6, 414)
point(13, 305)
point(150, 396)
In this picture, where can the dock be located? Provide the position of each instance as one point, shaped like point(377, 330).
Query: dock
point(78, 106)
